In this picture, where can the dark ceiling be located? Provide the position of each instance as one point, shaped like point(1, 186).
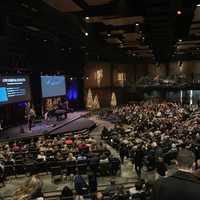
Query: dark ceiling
point(53, 32)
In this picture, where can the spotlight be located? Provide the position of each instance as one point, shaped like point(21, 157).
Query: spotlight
point(87, 18)
point(179, 12)
point(137, 24)
point(71, 78)
point(86, 34)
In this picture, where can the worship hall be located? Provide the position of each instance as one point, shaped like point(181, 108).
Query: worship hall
point(100, 100)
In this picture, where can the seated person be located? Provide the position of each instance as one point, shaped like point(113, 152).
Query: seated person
point(41, 156)
point(112, 189)
point(81, 156)
point(71, 157)
point(137, 192)
point(67, 193)
point(58, 156)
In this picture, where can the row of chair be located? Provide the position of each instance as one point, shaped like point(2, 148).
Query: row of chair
point(67, 167)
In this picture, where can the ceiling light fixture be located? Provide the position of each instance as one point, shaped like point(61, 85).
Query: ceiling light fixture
point(87, 18)
point(180, 40)
point(86, 34)
point(137, 24)
point(179, 12)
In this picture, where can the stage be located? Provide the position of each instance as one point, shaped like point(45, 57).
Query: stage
point(75, 121)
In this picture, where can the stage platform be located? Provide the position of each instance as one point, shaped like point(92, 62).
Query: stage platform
point(76, 121)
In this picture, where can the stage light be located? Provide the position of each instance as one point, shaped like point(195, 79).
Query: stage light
point(71, 78)
point(179, 12)
point(86, 34)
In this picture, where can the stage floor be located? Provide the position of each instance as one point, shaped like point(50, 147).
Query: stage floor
point(75, 122)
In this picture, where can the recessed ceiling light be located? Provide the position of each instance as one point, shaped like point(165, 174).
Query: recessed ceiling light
point(179, 12)
point(33, 28)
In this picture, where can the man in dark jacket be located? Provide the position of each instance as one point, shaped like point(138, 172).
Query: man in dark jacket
point(182, 185)
point(139, 156)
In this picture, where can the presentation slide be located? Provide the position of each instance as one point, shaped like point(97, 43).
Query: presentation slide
point(14, 89)
point(53, 86)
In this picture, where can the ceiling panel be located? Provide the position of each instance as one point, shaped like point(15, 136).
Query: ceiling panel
point(117, 21)
point(97, 2)
point(64, 5)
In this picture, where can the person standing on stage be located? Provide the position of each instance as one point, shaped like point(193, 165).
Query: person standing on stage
point(30, 114)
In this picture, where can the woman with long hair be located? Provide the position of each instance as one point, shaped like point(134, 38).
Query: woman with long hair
point(30, 189)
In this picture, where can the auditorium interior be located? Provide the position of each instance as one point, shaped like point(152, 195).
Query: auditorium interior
point(100, 100)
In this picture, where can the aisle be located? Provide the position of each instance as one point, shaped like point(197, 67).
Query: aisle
point(127, 170)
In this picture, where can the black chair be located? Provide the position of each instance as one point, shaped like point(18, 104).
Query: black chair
point(71, 167)
point(9, 170)
point(19, 169)
point(41, 167)
point(30, 168)
point(56, 173)
point(104, 169)
point(82, 166)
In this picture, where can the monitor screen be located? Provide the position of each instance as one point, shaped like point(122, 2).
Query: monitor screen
point(53, 86)
point(14, 89)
